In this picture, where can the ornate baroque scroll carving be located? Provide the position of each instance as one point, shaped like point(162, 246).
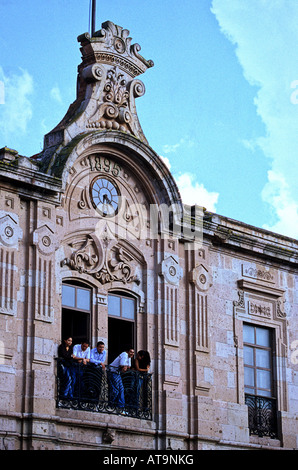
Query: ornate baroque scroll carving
point(98, 259)
point(116, 109)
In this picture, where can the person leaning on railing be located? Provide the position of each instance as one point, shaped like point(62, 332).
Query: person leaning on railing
point(81, 356)
point(67, 379)
point(116, 389)
point(142, 364)
point(98, 355)
point(81, 352)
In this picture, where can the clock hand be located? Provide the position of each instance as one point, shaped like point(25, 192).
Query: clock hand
point(106, 199)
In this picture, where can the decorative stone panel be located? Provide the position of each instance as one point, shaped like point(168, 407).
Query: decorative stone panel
point(46, 243)
point(201, 278)
point(10, 232)
point(171, 273)
point(8, 285)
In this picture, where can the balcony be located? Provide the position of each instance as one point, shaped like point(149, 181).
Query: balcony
point(90, 388)
point(262, 416)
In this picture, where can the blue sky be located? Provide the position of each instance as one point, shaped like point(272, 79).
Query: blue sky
point(221, 102)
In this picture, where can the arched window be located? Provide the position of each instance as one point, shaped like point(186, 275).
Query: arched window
point(121, 322)
point(76, 311)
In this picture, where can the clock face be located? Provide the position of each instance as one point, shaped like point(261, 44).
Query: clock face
point(105, 197)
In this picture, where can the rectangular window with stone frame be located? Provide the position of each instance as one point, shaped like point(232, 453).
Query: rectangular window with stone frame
point(259, 383)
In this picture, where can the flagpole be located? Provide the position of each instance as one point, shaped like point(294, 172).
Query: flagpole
point(93, 24)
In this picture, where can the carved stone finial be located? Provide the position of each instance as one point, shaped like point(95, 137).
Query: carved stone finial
point(107, 87)
point(112, 45)
point(111, 63)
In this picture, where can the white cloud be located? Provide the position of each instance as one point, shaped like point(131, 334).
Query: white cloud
point(193, 192)
point(56, 94)
point(16, 111)
point(166, 161)
point(265, 35)
point(183, 142)
point(277, 191)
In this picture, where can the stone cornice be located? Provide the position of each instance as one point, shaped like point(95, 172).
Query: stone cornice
point(24, 173)
point(238, 236)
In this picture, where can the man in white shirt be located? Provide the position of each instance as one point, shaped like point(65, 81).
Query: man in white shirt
point(81, 352)
point(123, 361)
point(116, 388)
point(81, 355)
point(98, 355)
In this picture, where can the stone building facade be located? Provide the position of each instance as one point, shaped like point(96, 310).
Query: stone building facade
point(97, 215)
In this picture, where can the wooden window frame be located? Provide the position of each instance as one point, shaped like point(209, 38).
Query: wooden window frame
point(255, 390)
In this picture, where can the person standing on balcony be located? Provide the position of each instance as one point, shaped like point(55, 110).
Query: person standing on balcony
point(96, 370)
point(142, 365)
point(65, 353)
point(81, 356)
point(121, 364)
point(81, 352)
point(98, 355)
point(142, 361)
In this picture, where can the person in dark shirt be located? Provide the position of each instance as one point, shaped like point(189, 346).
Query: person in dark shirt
point(66, 375)
point(65, 350)
point(142, 361)
point(142, 365)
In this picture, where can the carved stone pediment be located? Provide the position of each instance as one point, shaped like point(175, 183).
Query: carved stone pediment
point(99, 259)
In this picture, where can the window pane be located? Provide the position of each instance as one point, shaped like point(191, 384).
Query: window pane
point(263, 378)
point(264, 393)
point(249, 376)
point(68, 296)
point(128, 308)
point(83, 299)
point(248, 334)
point(248, 356)
point(263, 337)
point(114, 305)
point(263, 358)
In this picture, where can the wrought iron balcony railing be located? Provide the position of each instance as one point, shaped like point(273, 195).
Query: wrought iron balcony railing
point(90, 388)
point(262, 416)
